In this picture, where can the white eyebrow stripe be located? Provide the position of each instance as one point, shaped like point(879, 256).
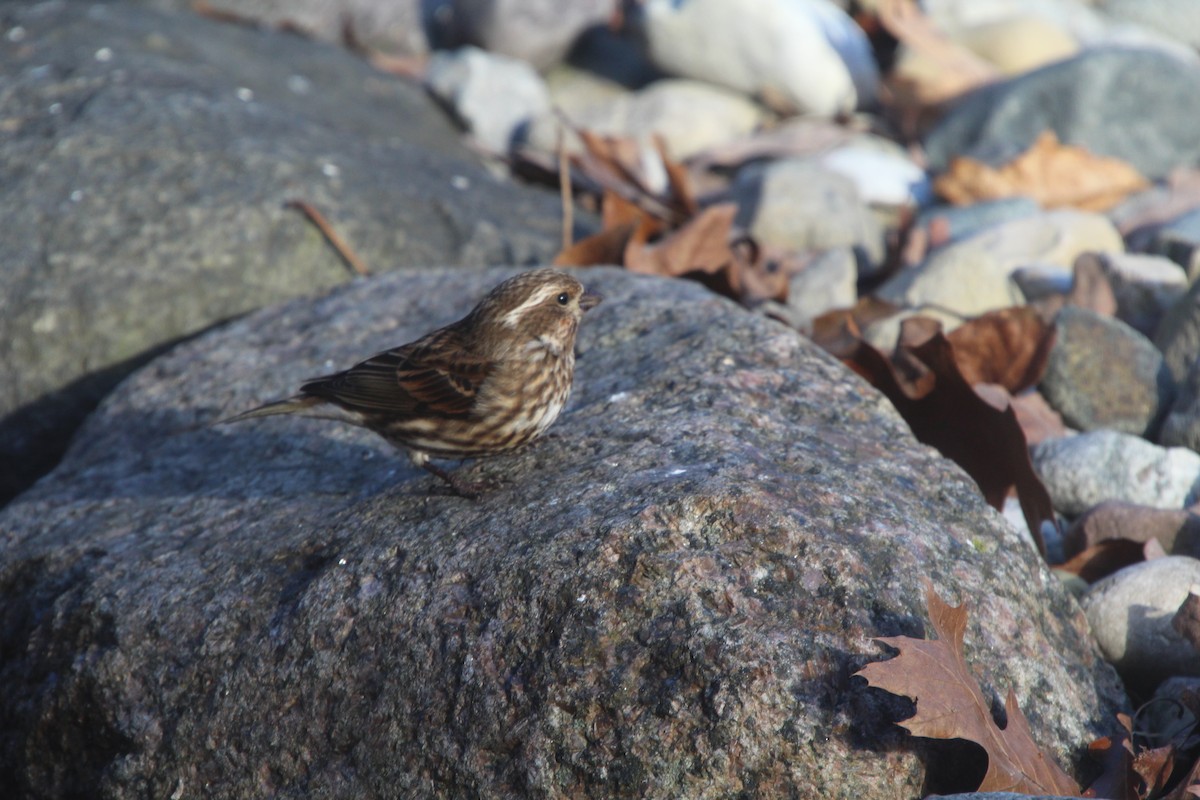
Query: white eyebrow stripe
point(535, 299)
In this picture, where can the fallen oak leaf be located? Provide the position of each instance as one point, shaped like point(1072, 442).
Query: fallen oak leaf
point(934, 674)
point(945, 412)
point(1052, 173)
point(1008, 347)
point(1104, 558)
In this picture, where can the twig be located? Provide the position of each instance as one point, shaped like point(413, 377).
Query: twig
point(564, 189)
point(344, 251)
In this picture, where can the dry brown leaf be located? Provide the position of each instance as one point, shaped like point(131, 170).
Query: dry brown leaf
point(1104, 558)
point(700, 245)
point(1115, 754)
point(1008, 347)
point(1117, 520)
point(1052, 173)
point(935, 675)
point(944, 411)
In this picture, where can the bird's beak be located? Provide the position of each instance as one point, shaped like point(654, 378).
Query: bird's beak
point(590, 300)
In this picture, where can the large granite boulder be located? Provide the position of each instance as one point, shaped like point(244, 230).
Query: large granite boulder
point(145, 160)
point(666, 597)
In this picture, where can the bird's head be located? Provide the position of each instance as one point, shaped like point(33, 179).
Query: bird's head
point(536, 309)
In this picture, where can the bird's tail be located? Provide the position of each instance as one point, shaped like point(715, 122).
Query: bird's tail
point(292, 405)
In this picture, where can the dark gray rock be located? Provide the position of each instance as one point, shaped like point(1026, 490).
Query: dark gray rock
point(1179, 240)
point(144, 164)
point(1101, 373)
point(664, 598)
point(392, 27)
point(1139, 105)
point(1181, 428)
point(1178, 335)
point(538, 31)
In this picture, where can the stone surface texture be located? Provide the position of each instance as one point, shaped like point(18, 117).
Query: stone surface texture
point(666, 597)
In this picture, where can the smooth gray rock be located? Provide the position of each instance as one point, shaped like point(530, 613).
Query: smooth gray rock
point(494, 96)
point(1085, 470)
point(144, 165)
point(666, 597)
point(1101, 373)
point(1145, 288)
point(799, 205)
point(1139, 105)
point(1130, 615)
point(537, 31)
point(1179, 240)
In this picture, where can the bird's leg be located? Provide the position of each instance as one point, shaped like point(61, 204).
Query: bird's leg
point(462, 488)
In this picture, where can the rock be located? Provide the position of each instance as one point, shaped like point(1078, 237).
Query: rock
point(689, 115)
point(1155, 96)
point(1181, 428)
point(666, 597)
point(827, 282)
point(973, 275)
point(1176, 529)
point(1043, 281)
point(1019, 43)
point(144, 170)
point(1178, 335)
point(1177, 19)
point(883, 176)
point(882, 334)
point(1145, 287)
point(1082, 471)
point(1170, 715)
point(954, 223)
point(798, 205)
point(1179, 240)
point(804, 56)
point(495, 96)
point(1130, 615)
point(537, 31)
point(1101, 373)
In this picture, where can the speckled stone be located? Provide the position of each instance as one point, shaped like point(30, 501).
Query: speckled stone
point(1101, 373)
point(665, 597)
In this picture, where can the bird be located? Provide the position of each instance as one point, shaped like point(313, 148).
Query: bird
point(487, 384)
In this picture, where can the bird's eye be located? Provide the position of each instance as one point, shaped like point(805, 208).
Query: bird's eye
point(564, 298)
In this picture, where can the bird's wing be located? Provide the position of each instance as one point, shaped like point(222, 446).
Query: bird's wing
point(432, 375)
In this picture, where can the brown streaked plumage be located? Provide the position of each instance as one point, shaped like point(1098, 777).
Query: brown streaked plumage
point(486, 384)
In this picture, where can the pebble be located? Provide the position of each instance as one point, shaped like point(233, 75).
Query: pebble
point(1154, 96)
point(690, 116)
point(955, 223)
point(1169, 716)
point(1145, 287)
point(1101, 373)
point(883, 176)
point(805, 56)
point(798, 204)
point(539, 32)
point(883, 334)
point(494, 96)
point(1130, 616)
point(1019, 43)
point(1085, 470)
point(1177, 19)
point(1177, 530)
point(827, 282)
point(974, 275)
point(1179, 240)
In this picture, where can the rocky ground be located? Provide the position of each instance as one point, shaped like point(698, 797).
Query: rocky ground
point(668, 595)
